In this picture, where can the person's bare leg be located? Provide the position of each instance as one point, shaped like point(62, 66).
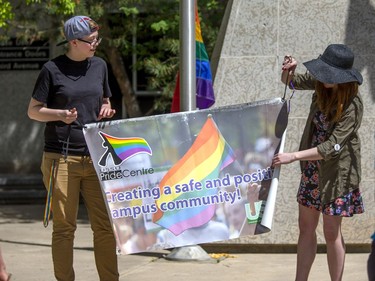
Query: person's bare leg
point(306, 249)
point(4, 276)
point(335, 246)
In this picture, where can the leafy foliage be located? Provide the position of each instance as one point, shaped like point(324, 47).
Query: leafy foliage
point(6, 13)
point(59, 7)
point(158, 47)
point(145, 29)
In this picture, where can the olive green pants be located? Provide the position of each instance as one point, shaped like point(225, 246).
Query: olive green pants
point(77, 175)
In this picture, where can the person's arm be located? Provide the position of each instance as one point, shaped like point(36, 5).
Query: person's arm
point(288, 68)
point(106, 110)
point(286, 158)
point(344, 130)
point(38, 111)
point(300, 81)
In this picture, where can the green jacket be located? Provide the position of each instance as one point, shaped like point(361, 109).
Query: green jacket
point(340, 169)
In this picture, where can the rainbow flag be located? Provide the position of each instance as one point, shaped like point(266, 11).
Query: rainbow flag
point(204, 88)
point(122, 148)
point(208, 155)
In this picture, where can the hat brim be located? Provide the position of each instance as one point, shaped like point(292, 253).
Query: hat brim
point(328, 74)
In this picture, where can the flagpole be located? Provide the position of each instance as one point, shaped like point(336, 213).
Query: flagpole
point(187, 102)
point(187, 56)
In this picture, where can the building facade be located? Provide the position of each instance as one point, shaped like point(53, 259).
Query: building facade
point(255, 37)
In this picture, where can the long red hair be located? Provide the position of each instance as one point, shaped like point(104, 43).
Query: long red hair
point(333, 104)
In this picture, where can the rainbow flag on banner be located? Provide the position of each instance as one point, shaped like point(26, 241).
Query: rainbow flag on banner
point(208, 155)
point(122, 148)
point(204, 88)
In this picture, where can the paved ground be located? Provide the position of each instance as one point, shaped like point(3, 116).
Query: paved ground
point(26, 247)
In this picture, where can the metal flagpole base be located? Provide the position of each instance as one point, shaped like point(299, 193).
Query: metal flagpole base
point(188, 253)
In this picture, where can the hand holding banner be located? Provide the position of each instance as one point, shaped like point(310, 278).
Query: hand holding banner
point(188, 178)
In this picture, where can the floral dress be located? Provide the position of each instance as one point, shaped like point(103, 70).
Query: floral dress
point(309, 195)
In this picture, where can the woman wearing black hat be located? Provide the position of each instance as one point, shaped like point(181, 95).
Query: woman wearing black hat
point(329, 154)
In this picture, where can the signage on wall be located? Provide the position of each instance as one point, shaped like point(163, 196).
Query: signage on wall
point(22, 56)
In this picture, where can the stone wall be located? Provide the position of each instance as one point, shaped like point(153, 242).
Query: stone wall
point(255, 38)
point(21, 140)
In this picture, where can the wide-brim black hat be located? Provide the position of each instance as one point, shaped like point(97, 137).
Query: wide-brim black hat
point(335, 66)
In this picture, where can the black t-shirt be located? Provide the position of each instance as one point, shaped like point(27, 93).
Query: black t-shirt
point(66, 84)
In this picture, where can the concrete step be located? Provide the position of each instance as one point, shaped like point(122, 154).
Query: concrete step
point(21, 189)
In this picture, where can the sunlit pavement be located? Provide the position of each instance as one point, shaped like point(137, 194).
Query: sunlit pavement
point(26, 248)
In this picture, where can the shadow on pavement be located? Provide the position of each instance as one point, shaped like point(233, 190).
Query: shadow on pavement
point(32, 213)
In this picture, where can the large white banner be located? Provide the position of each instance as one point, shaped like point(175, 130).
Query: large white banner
point(188, 178)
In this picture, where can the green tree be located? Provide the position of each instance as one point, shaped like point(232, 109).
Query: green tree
point(162, 62)
point(155, 24)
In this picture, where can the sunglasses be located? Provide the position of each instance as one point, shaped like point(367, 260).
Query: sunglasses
point(96, 41)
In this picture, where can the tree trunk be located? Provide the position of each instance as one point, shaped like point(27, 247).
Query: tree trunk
point(118, 69)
